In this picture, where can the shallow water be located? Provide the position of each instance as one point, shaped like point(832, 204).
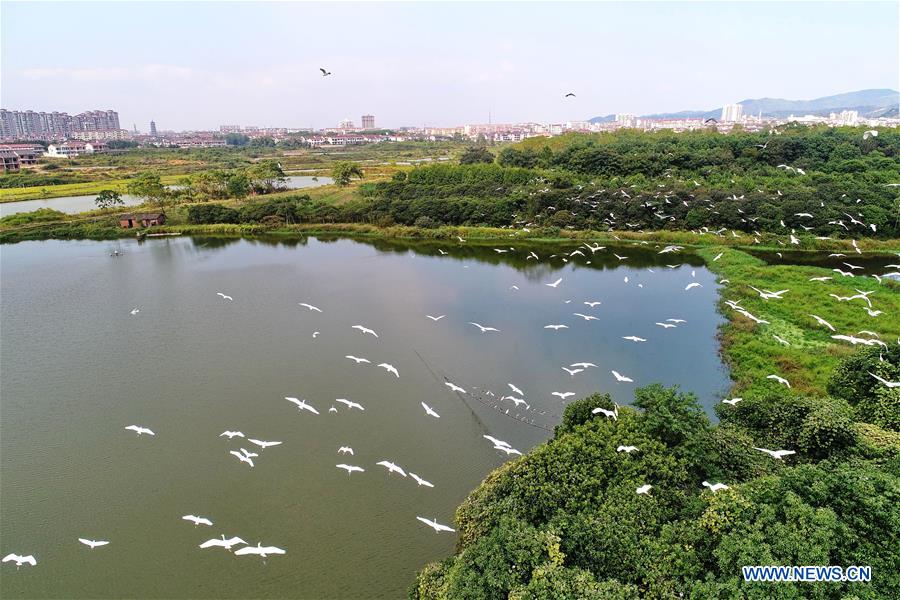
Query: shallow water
point(77, 367)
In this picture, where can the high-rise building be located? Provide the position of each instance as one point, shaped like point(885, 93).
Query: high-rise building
point(368, 121)
point(732, 113)
point(28, 124)
point(346, 124)
point(625, 120)
point(153, 128)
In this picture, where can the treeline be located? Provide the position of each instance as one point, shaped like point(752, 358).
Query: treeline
point(565, 521)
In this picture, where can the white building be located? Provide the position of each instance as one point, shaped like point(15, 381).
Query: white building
point(346, 124)
point(625, 120)
point(72, 148)
point(732, 113)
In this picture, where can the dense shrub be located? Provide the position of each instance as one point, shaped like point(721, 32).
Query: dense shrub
point(211, 213)
point(874, 401)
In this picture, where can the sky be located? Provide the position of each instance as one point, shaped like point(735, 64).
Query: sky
point(204, 64)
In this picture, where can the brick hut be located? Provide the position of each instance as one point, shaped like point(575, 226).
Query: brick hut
point(142, 220)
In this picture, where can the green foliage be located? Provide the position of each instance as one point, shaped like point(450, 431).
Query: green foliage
point(35, 216)
point(874, 401)
point(476, 155)
point(236, 139)
point(285, 210)
point(109, 199)
point(149, 187)
point(344, 171)
point(212, 213)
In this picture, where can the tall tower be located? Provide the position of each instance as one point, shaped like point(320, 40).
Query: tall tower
point(368, 121)
point(153, 128)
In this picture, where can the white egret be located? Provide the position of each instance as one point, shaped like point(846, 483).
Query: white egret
point(889, 384)
point(483, 328)
point(586, 317)
point(93, 543)
point(350, 403)
point(135, 311)
point(633, 338)
point(556, 327)
point(438, 318)
point(197, 520)
point(572, 372)
point(495, 441)
point(241, 457)
point(430, 411)
point(620, 378)
point(224, 297)
point(780, 380)
point(310, 307)
point(583, 365)
point(421, 481)
point(435, 525)
point(391, 467)
point(345, 450)
point(231, 434)
point(248, 454)
point(263, 444)
point(562, 395)
point(609, 414)
point(779, 454)
point(20, 560)
point(454, 388)
point(140, 430)
point(732, 401)
point(644, 489)
point(222, 543)
point(692, 285)
point(357, 359)
point(350, 468)
point(259, 550)
point(665, 325)
point(715, 487)
point(626, 449)
point(515, 389)
point(390, 369)
point(301, 405)
point(365, 330)
point(555, 283)
point(507, 449)
point(822, 321)
point(676, 321)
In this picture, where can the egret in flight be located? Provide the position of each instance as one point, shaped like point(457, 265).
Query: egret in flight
point(223, 543)
point(620, 378)
point(454, 388)
point(495, 441)
point(780, 380)
point(633, 338)
point(822, 321)
point(231, 434)
point(224, 296)
point(263, 444)
point(563, 395)
point(555, 283)
point(350, 468)
point(626, 449)
point(436, 318)
point(365, 330)
point(889, 384)
point(357, 359)
point(515, 389)
point(610, 414)
point(345, 450)
point(779, 454)
point(572, 372)
point(593, 304)
point(241, 457)
point(483, 328)
point(259, 550)
point(140, 430)
point(507, 449)
point(310, 306)
point(421, 481)
point(390, 369)
point(197, 520)
point(350, 403)
point(391, 467)
point(644, 489)
point(556, 327)
point(434, 525)
point(301, 405)
point(20, 560)
point(93, 543)
point(692, 285)
point(665, 325)
point(732, 401)
point(430, 411)
point(135, 311)
point(586, 317)
point(715, 487)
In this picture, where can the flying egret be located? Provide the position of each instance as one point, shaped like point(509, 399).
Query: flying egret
point(263, 444)
point(692, 285)
point(515, 389)
point(483, 328)
point(586, 317)
point(555, 283)
point(665, 325)
point(435, 525)
point(93, 543)
point(633, 338)
point(563, 395)
point(301, 405)
point(572, 372)
point(779, 454)
point(583, 365)
point(610, 414)
point(241, 457)
point(197, 520)
point(135, 311)
point(676, 321)
point(231, 434)
point(20, 560)
point(222, 543)
point(248, 454)
point(780, 380)
point(454, 388)
point(822, 321)
point(345, 450)
point(593, 304)
point(350, 468)
point(365, 330)
point(556, 327)
point(430, 411)
point(889, 384)
point(495, 441)
point(310, 306)
point(140, 430)
point(732, 401)
point(715, 487)
point(626, 449)
point(350, 403)
point(259, 550)
point(357, 359)
point(507, 449)
point(391, 467)
point(644, 489)
point(620, 378)
point(390, 369)
point(421, 481)
point(224, 297)
point(436, 318)
point(781, 340)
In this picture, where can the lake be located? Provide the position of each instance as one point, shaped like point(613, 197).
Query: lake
point(76, 204)
point(77, 367)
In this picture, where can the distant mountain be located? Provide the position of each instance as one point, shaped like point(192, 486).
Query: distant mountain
point(869, 103)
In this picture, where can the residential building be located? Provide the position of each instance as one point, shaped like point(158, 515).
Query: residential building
point(732, 113)
point(29, 124)
point(368, 121)
point(346, 124)
point(73, 148)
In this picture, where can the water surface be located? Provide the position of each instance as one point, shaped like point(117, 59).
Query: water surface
point(77, 368)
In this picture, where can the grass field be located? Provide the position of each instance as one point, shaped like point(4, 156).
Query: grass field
point(70, 189)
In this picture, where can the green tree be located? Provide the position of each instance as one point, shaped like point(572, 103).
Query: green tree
point(476, 154)
point(344, 171)
point(149, 187)
point(237, 185)
point(109, 199)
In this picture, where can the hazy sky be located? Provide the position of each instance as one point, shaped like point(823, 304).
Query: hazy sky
point(200, 65)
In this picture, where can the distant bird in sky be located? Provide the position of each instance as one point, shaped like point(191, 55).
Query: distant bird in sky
point(224, 297)
point(197, 520)
point(569, 95)
point(231, 434)
point(556, 327)
point(732, 401)
point(310, 306)
point(583, 365)
point(20, 560)
point(436, 318)
point(241, 457)
point(495, 441)
point(435, 525)
point(571, 372)
point(676, 321)
point(586, 317)
point(350, 468)
point(779, 454)
point(633, 338)
point(665, 325)
point(222, 543)
point(357, 359)
point(259, 550)
point(421, 481)
point(889, 384)
point(264, 444)
point(93, 543)
point(454, 388)
point(626, 449)
point(430, 411)
point(563, 395)
point(644, 489)
point(135, 311)
point(822, 321)
point(692, 285)
point(483, 328)
point(345, 450)
point(555, 283)
point(324, 72)
point(365, 330)
point(593, 304)
point(140, 430)
point(780, 380)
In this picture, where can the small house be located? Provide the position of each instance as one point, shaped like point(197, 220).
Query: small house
point(142, 220)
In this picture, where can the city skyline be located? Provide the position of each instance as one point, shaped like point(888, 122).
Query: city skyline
point(450, 64)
